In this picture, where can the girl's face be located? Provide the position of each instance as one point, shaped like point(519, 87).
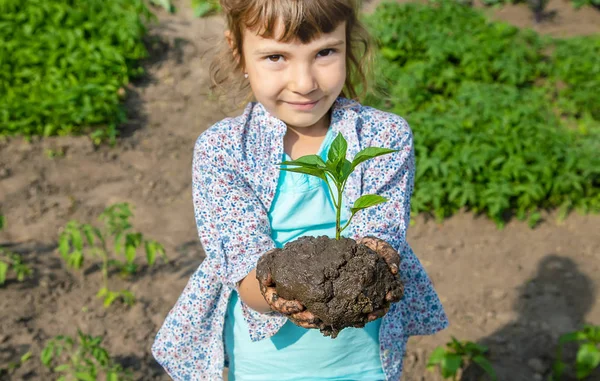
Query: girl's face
point(297, 82)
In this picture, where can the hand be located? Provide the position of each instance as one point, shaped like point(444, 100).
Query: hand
point(292, 309)
point(392, 258)
point(384, 250)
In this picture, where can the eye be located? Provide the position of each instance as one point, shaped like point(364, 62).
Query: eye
point(327, 52)
point(274, 58)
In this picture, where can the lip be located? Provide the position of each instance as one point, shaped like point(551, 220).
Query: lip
point(304, 106)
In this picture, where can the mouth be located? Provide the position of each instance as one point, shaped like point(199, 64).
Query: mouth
point(304, 106)
point(302, 103)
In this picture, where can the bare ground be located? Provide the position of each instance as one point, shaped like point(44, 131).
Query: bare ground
point(514, 290)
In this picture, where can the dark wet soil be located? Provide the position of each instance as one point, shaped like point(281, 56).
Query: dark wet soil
point(339, 281)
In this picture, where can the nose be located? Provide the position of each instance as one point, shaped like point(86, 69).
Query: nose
point(303, 80)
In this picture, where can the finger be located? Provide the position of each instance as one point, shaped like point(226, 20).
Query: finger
point(384, 250)
point(394, 296)
point(268, 280)
point(306, 325)
point(282, 305)
point(369, 242)
point(377, 314)
point(306, 316)
point(389, 254)
point(389, 296)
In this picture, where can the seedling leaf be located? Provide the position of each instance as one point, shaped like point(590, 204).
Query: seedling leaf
point(64, 246)
point(307, 160)
point(47, 354)
point(367, 201)
point(150, 252)
point(82, 376)
point(450, 364)
point(88, 231)
point(309, 171)
point(485, 365)
point(571, 336)
point(436, 357)
point(588, 359)
point(62, 368)
point(3, 271)
point(337, 151)
point(369, 153)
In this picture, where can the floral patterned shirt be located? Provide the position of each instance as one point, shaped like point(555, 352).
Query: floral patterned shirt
point(235, 176)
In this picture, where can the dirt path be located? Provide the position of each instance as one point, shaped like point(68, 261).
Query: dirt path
point(515, 289)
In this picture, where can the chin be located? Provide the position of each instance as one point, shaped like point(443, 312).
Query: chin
point(302, 121)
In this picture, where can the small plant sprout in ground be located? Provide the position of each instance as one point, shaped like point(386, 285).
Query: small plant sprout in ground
point(12, 366)
point(82, 360)
point(79, 241)
point(456, 356)
point(588, 354)
point(336, 170)
point(10, 261)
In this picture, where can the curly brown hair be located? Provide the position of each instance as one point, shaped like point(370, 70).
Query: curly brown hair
point(302, 19)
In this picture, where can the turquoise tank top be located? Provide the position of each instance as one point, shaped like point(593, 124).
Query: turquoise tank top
point(302, 206)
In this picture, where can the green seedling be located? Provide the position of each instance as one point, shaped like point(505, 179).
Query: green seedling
point(10, 261)
point(55, 153)
point(12, 366)
point(456, 356)
point(13, 262)
point(335, 171)
point(588, 354)
point(81, 360)
point(78, 241)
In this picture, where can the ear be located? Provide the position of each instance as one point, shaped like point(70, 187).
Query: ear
point(229, 39)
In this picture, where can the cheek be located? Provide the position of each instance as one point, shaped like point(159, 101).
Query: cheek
point(264, 85)
point(334, 76)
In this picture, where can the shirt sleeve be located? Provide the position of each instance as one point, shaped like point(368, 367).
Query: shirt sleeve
point(392, 176)
point(233, 224)
point(240, 228)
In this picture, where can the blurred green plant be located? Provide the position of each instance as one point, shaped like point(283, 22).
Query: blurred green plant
point(10, 261)
point(82, 360)
point(505, 122)
point(458, 354)
point(14, 365)
point(13, 262)
point(583, 3)
point(588, 353)
point(166, 4)
point(64, 65)
point(201, 8)
point(204, 8)
point(78, 241)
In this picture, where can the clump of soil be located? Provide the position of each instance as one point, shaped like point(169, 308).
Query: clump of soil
point(339, 281)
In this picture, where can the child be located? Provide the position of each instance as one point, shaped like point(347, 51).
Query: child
point(299, 60)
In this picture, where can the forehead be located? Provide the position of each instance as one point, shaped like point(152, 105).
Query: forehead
point(278, 36)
